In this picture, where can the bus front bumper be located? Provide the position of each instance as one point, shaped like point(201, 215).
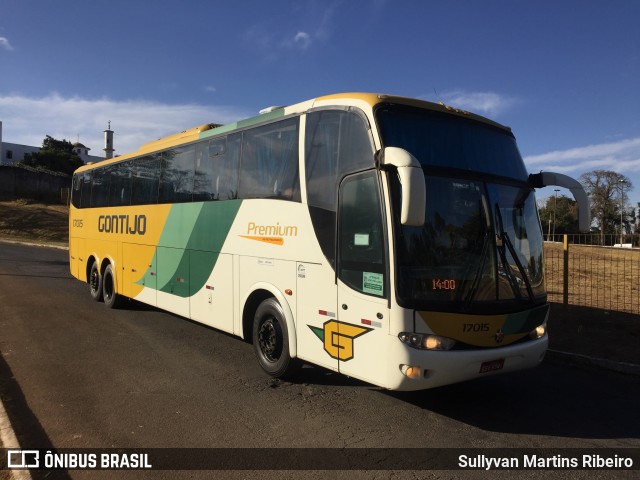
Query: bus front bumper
point(423, 369)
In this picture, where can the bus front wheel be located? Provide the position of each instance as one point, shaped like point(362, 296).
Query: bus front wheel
point(95, 282)
point(271, 339)
point(111, 298)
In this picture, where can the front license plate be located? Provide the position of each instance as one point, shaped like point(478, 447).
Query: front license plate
point(492, 365)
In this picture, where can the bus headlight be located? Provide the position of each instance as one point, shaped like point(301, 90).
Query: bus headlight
point(539, 332)
point(426, 341)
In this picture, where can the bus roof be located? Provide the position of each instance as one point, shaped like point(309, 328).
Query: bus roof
point(353, 98)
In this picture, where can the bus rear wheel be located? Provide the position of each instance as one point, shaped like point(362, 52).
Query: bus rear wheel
point(271, 340)
point(111, 298)
point(95, 282)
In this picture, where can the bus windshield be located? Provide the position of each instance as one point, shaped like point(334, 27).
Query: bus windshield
point(439, 139)
point(481, 244)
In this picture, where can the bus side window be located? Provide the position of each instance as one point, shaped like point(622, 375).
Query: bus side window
point(100, 187)
point(269, 165)
point(361, 231)
point(216, 176)
point(227, 182)
point(75, 190)
point(176, 177)
point(338, 143)
point(203, 177)
point(145, 174)
point(120, 186)
point(85, 197)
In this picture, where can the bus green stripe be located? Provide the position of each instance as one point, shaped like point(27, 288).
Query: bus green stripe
point(265, 117)
point(208, 237)
point(201, 227)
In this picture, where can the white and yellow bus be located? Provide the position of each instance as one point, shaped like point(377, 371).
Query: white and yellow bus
point(390, 239)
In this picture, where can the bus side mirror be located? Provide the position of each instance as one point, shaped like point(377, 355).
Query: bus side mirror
point(414, 190)
point(548, 179)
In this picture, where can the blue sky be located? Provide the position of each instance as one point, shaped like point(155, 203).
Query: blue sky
point(565, 75)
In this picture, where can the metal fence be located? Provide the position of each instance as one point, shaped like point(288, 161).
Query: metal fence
point(580, 271)
point(598, 239)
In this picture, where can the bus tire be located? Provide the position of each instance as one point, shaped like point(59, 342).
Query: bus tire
point(271, 340)
point(111, 298)
point(95, 282)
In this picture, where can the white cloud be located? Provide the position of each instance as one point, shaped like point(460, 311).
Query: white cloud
point(484, 103)
point(621, 156)
point(310, 23)
point(4, 43)
point(27, 120)
point(302, 40)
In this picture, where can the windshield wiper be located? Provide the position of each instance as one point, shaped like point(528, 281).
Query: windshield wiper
point(476, 279)
point(502, 240)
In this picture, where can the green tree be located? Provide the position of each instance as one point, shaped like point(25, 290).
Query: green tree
point(608, 193)
point(559, 215)
point(55, 155)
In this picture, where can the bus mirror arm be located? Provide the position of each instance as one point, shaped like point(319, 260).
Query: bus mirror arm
point(414, 190)
point(547, 179)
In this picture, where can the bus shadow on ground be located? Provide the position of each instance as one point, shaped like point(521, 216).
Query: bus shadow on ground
point(597, 333)
point(26, 426)
point(550, 400)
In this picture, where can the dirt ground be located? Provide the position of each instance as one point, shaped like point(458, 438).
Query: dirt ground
point(594, 332)
point(33, 222)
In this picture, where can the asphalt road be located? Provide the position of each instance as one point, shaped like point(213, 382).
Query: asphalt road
point(74, 374)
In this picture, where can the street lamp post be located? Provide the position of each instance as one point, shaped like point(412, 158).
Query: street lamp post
point(555, 202)
point(621, 182)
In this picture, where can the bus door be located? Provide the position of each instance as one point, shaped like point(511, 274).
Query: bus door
point(362, 325)
point(317, 312)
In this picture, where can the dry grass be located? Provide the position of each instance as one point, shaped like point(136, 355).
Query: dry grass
point(34, 222)
point(599, 277)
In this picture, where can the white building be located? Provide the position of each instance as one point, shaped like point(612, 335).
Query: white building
point(83, 152)
point(11, 153)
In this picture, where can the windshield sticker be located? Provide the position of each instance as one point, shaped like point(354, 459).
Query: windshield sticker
point(361, 239)
point(372, 283)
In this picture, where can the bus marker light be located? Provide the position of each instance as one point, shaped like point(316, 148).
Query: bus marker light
point(288, 291)
point(410, 371)
point(210, 287)
point(371, 323)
